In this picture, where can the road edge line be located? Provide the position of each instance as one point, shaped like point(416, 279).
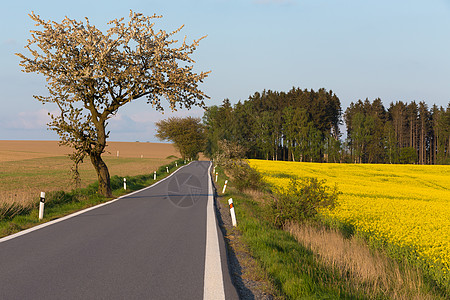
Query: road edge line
point(213, 286)
point(40, 226)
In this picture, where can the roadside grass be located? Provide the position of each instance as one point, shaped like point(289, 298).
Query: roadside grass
point(15, 216)
point(311, 261)
point(293, 269)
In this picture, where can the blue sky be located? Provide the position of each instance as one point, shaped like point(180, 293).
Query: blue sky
point(395, 50)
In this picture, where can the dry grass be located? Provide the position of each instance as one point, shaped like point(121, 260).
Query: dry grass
point(256, 195)
point(368, 272)
point(29, 167)
point(19, 197)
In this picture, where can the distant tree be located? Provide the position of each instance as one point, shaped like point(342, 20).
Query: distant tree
point(188, 135)
point(376, 145)
point(390, 142)
point(292, 127)
point(424, 137)
point(218, 121)
point(397, 112)
point(264, 130)
point(361, 135)
point(91, 74)
point(315, 144)
point(242, 124)
point(412, 112)
point(408, 155)
point(442, 134)
point(333, 148)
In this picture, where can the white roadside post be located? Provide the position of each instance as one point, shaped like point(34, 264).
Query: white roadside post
point(233, 215)
point(167, 169)
point(217, 175)
point(154, 175)
point(41, 206)
point(124, 183)
point(117, 153)
point(225, 186)
point(176, 164)
point(214, 170)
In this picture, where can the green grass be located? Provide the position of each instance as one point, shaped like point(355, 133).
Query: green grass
point(293, 269)
point(61, 203)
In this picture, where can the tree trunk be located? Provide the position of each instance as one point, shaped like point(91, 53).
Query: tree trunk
point(104, 186)
point(422, 143)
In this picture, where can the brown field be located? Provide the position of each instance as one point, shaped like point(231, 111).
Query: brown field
point(21, 150)
point(28, 167)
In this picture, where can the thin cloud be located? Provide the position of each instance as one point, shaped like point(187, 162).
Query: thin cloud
point(30, 120)
point(141, 125)
point(10, 42)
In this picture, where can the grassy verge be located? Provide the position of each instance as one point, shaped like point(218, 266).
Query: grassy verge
point(292, 268)
point(14, 217)
point(315, 262)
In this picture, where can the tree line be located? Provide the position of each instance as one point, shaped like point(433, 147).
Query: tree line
point(304, 125)
point(402, 133)
point(299, 125)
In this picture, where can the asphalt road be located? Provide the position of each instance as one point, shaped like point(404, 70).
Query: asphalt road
point(148, 245)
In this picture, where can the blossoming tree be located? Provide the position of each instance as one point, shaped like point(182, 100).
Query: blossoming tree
point(91, 74)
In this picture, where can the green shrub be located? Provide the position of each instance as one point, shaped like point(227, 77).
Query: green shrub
point(229, 154)
point(244, 177)
point(301, 201)
point(116, 182)
point(59, 197)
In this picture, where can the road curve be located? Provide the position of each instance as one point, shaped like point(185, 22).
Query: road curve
point(148, 245)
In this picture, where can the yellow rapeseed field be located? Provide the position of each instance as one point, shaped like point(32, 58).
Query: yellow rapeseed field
point(407, 206)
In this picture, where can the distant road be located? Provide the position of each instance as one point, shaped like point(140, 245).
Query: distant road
point(148, 245)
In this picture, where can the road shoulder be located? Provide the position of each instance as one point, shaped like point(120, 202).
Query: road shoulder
point(246, 275)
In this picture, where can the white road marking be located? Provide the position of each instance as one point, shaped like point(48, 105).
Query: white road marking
point(213, 280)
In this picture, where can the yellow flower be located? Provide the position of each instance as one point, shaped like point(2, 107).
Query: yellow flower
point(404, 205)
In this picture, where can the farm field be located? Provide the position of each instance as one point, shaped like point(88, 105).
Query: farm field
point(406, 207)
point(28, 167)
